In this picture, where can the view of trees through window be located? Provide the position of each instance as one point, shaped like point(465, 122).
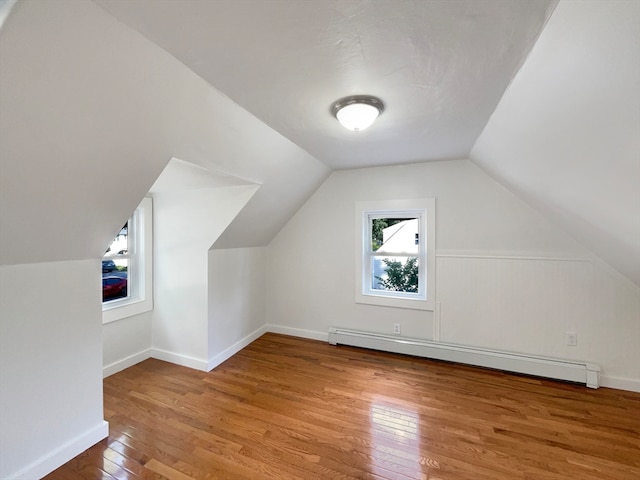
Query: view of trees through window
point(399, 238)
point(400, 277)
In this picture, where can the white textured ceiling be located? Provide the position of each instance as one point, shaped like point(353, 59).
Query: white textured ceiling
point(439, 66)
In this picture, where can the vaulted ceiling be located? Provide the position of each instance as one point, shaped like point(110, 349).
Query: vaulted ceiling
point(543, 95)
point(565, 136)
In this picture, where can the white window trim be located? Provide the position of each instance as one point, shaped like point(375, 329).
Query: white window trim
point(141, 292)
point(425, 207)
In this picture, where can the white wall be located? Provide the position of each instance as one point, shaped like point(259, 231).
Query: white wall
point(505, 277)
point(615, 328)
point(195, 205)
point(126, 342)
point(237, 300)
point(217, 307)
point(186, 223)
point(528, 304)
point(50, 365)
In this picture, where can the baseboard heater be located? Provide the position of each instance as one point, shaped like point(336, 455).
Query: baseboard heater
point(570, 370)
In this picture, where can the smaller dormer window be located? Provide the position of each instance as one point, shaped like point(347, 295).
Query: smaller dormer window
point(127, 269)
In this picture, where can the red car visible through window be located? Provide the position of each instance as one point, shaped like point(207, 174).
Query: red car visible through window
point(113, 287)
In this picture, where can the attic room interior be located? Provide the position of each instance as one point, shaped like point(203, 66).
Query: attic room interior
point(509, 129)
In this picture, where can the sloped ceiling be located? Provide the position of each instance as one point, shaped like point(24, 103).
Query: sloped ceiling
point(439, 66)
point(90, 114)
point(566, 134)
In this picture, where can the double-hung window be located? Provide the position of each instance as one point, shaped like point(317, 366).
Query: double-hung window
point(127, 268)
point(395, 253)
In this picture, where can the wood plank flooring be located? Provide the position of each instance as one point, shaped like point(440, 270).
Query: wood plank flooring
point(289, 408)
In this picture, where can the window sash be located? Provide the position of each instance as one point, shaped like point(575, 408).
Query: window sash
point(368, 254)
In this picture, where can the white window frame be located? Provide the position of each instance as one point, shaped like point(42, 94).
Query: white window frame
point(424, 210)
point(140, 267)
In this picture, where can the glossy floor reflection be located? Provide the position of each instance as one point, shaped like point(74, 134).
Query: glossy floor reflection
point(395, 440)
point(288, 408)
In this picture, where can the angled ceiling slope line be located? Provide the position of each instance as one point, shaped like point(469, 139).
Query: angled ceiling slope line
point(180, 175)
point(566, 135)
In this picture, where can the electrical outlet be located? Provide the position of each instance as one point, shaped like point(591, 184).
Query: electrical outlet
point(572, 339)
point(396, 329)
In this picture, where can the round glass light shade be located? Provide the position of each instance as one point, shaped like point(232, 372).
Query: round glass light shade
point(357, 112)
point(357, 116)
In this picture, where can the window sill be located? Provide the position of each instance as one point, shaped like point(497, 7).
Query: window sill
point(395, 302)
point(120, 310)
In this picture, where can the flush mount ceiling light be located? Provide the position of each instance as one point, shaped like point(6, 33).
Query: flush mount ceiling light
point(357, 112)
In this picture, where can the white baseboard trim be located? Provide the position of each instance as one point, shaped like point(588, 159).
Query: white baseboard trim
point(61, 455)
point(179, 359)
point(618, 383)
point(217, 359)
point(235, 348)
point(126, 362)
point(298, 332)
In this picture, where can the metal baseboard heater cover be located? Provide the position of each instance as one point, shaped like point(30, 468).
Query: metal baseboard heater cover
point(569, 370)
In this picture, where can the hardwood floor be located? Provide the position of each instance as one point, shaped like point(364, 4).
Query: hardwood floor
point(287, 408)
